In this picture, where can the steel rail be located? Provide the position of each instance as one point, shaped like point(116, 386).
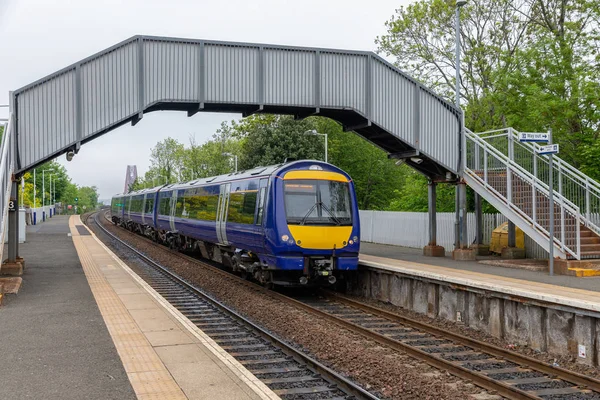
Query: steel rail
point(562, 373)
point(481, 380)
point(343, 383)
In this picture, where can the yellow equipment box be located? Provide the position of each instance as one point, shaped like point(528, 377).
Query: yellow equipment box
point(500, 238)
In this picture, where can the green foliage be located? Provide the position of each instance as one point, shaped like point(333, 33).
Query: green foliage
point(530, 64)
point(166, 159)
point(85, 198)
point(413, 196)
point(270, 139)
point(375, 176)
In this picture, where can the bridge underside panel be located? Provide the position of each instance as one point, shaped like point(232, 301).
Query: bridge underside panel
point(118, 85)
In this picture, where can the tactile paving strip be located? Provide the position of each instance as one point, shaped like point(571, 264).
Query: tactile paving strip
point(147, 374)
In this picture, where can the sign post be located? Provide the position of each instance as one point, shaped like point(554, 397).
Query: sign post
point(551, 210)
point(549, 149)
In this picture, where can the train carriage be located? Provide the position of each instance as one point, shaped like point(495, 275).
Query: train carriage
point(290, 224)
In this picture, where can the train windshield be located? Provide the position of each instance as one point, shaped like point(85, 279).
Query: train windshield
point(317, 202)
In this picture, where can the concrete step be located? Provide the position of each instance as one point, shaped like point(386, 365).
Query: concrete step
point(579, 268)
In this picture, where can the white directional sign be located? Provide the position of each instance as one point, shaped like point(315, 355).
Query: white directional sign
point(533, 137)
point(548, 149)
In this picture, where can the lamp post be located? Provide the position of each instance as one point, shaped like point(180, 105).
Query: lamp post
point(44, 185)
point(51, 198)
point(234, 159)
point(314, 132)
point(461, 190)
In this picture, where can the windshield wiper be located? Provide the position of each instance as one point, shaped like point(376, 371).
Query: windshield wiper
point(333, 217)
point(303, 220)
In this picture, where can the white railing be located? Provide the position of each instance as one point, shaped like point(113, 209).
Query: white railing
point(522, 192)
point(6, 171)
point(569, 182)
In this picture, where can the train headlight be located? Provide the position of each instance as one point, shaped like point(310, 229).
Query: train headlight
point(350, 241)
point(355, 238)
point(285, 238)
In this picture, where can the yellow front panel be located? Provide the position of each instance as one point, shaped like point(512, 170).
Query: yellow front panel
point(320, 175)
point(320, 237)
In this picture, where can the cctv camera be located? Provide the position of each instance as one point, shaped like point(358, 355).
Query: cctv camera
point(70, 155)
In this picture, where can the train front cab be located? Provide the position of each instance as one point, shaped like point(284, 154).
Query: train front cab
point(317, 230)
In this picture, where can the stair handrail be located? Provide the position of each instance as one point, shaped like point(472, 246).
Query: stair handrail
point(6, 171)
point(588, 185)
point(522, 171)
point(562, 201)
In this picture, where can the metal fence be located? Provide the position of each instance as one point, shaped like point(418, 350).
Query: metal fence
point(410, 229)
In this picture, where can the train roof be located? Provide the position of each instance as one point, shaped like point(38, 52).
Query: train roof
point(233, 176)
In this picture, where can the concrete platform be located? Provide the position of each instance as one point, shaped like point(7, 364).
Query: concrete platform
point(416, 255)
point(84, 325)
point(55, 344)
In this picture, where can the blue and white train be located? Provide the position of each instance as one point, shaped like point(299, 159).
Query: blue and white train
point(295, 223)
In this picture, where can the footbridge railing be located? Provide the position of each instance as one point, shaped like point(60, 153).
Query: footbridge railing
point(6, 171)
point(518, 193)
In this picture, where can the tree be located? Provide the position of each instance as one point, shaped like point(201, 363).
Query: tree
point(166, 159)
point(421, 37)
point(270, 139)
point(555, 84)
point(530, 64)
point(87, 198)
point(375, 176)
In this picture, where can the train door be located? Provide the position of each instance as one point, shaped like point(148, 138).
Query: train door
point(260, 210)
point(172, 213)
point(144, 209)
point(222, 213)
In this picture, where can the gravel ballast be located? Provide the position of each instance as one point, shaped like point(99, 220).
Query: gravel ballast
point(384, 371)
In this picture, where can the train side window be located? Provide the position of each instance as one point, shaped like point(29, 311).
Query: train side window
point(165, 206)
point(149, 205)
point(242, 206)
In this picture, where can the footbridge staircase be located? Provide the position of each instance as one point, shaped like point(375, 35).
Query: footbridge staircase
point(515, 179)
point(119, 85)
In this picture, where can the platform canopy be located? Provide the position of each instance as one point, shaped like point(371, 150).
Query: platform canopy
point(119, 85)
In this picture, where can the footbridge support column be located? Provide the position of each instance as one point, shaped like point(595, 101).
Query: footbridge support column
point(479, 248)
point(512, 252)
point(463, 253)
point(14, 264)
point(432, 249)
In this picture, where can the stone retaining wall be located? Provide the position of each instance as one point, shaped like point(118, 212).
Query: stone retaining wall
point(547, 327)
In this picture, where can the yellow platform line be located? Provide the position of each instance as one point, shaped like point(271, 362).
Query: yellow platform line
point(148, 375)
point(253, 383)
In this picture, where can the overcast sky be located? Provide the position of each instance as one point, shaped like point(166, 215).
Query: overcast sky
point(38, 37)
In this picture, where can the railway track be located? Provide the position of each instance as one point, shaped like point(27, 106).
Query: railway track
point(496, 369)
point(288, 372)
